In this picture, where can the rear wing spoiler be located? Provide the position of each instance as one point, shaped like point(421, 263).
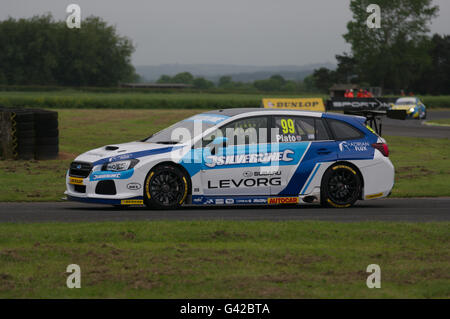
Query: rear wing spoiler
point(374, 117)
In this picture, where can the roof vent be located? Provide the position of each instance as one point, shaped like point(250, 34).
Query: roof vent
point(111, 148)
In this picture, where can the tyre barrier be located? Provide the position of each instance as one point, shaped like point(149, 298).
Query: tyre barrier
point(29, 134)
point(47, 134)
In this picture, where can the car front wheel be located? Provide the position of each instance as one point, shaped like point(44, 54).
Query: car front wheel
point(341, 186)
point(424, 116)
point(166, 187)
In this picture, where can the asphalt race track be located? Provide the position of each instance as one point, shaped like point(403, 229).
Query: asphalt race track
point(411, 210)
point(417, 128)
point(395, 210)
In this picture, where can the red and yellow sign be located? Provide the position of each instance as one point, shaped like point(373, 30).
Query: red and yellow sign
point(305, 104)
point(283, 200)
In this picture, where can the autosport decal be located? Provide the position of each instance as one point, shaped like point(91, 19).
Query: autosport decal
point(283, 200)
point(103, 175)
point(137, 154)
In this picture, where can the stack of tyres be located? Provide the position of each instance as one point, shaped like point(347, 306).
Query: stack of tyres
point(24, 135)
point(47, 135)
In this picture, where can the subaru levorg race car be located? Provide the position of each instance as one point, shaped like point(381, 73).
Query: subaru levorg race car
point(240, 156)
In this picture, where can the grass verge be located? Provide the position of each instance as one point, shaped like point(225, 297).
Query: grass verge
point(149, 99)
point(218, 259)
point(421, 166)
point(439, 122)
point(418, 161)
point(136, 100)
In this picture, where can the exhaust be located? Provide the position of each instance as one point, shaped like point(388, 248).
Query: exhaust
point(309, 199)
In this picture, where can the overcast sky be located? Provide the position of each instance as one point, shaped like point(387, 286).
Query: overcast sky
point(256, 32)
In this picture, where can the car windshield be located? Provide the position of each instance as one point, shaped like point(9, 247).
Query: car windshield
point(406, 101)
point(180, 132)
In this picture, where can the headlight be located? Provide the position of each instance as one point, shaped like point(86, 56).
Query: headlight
point(412, 109)
point(120, 165)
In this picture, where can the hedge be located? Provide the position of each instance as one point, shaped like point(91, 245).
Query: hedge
point(130, 100)
point(62, 99)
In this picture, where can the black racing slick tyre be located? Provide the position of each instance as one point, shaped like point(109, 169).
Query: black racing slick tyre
point(166, 187)
point(341, 186)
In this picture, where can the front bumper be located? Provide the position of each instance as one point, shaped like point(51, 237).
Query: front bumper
point(101, 187)
point(139, 200)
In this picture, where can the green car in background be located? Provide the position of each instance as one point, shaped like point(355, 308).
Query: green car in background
point(414, 108)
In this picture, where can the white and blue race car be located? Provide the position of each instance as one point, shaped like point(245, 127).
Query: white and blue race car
point(240, 157)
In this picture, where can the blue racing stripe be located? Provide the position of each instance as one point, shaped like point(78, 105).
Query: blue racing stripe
point(310, 179)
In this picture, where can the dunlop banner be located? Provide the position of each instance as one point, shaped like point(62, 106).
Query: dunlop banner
point(306, 104)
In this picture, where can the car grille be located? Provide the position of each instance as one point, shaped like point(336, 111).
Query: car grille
point(80, 169)
point(107, 187)
point(79, 188)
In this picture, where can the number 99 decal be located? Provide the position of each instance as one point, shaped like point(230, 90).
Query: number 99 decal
point(288, 126)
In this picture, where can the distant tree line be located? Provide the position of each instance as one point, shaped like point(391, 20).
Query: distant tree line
point(187, 78)
point(42, 51)
point(274, 83)
point(398, 56)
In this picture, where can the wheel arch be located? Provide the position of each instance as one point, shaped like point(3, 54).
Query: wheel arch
point(178, 166)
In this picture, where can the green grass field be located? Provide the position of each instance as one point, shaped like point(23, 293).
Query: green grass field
point(217, 259)
point(439, 122)
point(421, 164)
point(136, 100)
point(131, 99)
point(203, 259)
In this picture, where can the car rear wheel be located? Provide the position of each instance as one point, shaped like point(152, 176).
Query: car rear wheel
point(341, 186)
point(166, 187)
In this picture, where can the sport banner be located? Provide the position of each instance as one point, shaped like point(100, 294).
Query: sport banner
point(370, 103)
point(306, 104)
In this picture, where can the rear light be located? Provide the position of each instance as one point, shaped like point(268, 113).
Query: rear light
point(382, 147)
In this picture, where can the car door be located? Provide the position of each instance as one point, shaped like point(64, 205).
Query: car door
point(309, 142)
point(233, 168)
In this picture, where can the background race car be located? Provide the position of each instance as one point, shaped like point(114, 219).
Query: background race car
point(413, 106)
